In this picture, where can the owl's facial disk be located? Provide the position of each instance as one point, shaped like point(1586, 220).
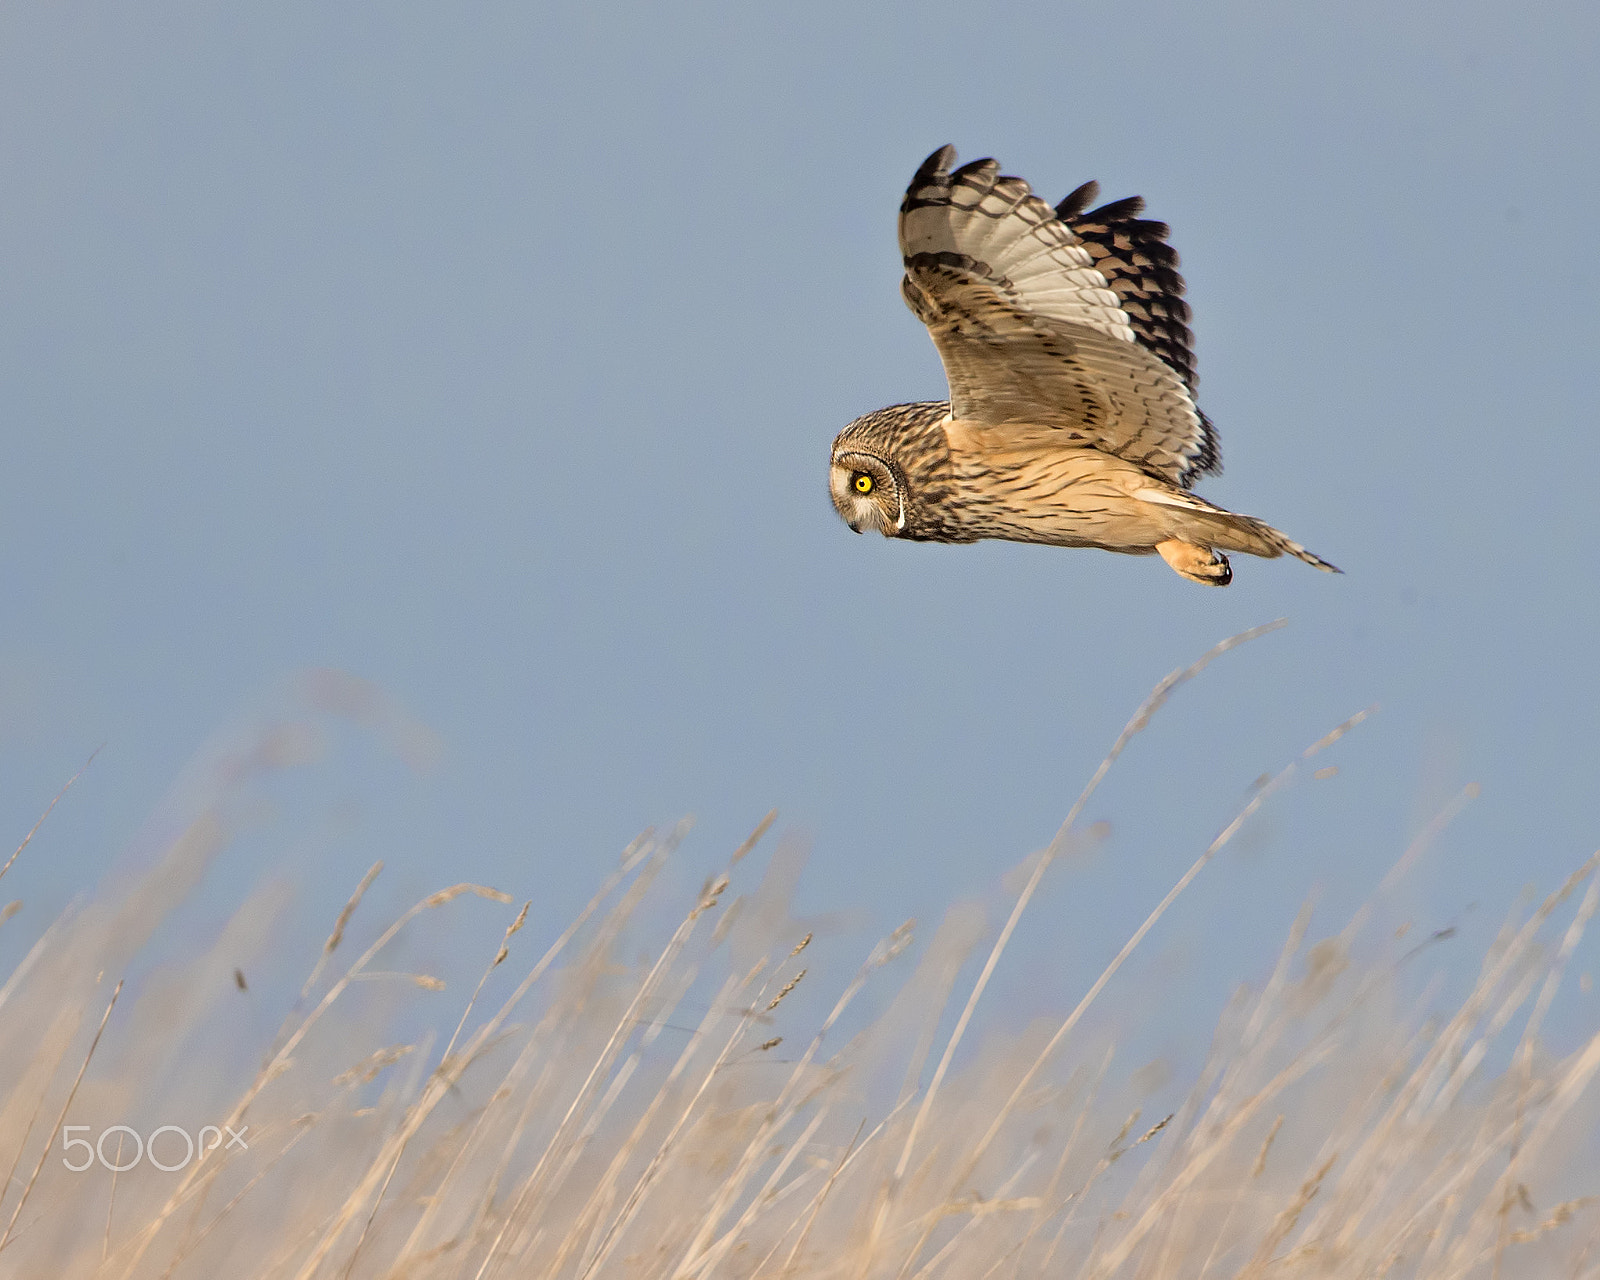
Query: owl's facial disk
point(866, 493)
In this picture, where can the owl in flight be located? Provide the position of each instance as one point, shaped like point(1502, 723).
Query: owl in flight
point(1071, 419)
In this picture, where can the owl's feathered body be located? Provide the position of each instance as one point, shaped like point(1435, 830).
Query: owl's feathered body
point(1071, 418)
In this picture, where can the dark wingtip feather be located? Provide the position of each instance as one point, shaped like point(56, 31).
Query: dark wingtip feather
point(1120, 210)
point(1208, 461)
point(938, 164)
point(1078, 201)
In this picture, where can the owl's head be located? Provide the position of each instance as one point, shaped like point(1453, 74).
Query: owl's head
point(868, 491)
point(889, 470)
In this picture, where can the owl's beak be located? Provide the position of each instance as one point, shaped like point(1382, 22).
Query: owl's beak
point(855, 525)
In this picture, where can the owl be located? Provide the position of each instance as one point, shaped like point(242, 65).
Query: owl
point(1071, 419)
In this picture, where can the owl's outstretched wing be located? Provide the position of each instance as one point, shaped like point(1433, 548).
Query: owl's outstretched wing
point(1077, 324)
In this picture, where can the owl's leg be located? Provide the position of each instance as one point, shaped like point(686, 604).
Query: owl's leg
point(1196, 563)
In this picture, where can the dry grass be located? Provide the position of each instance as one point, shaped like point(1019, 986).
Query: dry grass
point(597, 1121)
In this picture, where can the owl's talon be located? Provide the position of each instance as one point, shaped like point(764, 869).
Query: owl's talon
point(1196, 563)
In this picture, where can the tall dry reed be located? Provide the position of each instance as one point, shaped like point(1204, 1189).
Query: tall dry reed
point(674, 1118)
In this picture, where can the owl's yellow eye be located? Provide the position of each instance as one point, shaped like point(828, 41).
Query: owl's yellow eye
point(863, 483)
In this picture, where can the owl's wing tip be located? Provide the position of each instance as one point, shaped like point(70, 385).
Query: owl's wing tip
point(1078, 201)
point(938, 164)
point(984, 170)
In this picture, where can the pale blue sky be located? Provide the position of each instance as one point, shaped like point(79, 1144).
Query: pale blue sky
point(492, 353)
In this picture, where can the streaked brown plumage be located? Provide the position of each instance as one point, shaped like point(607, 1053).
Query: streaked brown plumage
point(1071, 419)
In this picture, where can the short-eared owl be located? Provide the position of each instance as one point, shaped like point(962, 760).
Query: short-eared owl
point(1071, 417)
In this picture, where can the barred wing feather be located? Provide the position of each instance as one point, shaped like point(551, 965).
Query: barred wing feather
point(1036, 322)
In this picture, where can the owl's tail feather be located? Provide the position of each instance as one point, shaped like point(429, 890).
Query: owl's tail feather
point(1230, 532)
point(1192, 519)
point(1311, 558)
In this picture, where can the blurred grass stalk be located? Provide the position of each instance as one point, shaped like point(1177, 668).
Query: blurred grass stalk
point(1328, 1133)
